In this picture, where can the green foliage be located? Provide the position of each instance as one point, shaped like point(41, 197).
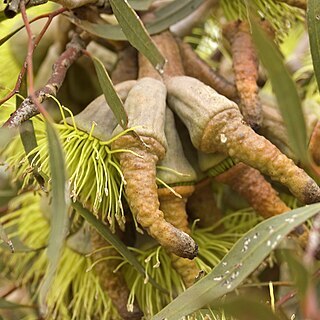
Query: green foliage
point(115, 242)
point(95, 179)
point(110, 93)
point(58, 208)
point(74, 292)
point(213, 245)
point(285, 91)
point(313, 19)
point(10, 66)
point(165, 17)
point(136, 33)
point(238, 263)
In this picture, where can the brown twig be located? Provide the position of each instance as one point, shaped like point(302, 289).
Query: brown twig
point(50, 17)
point(286, 298)
point(195, 67)
point(29, 61)
point(28, 107)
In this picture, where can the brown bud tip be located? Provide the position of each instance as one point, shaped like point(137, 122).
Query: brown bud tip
point(312, 192)
point(186, 248)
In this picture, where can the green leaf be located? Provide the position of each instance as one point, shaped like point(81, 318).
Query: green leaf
point(253, 309)
point(244, 257)
point(59, 207)
point(136, 33)
point(10, 35)
point(165, 17)
point(114, 241)
point(27, 135)
point(140, 5)
point(172, 13)
point(313, 19)
point(28, 138)
point(285, 91)
point(110, 93)
point(29, 143)
point(4, 304)
point(105, 31)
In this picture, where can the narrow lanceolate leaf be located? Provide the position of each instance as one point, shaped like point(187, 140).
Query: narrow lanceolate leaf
point(28, 138)
point(313, 18)
point(254, 309)
point(10, 35)
point(29, 142)
point(4, 304)
point(59, 207)
point(165, 17)
point(110, 93)
point(105, 31)
point(140, 5)
point(114, 241)
point(27, 135)
point(136, 33)
point(172, 13)
point(244, 257)
point(285, 91)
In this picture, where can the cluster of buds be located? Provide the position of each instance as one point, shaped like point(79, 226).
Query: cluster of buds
point(148, 160)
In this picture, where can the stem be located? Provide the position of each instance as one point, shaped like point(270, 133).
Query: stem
point(50, 17)
point(286, 298)
point(195, 67)
point(30, 106)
